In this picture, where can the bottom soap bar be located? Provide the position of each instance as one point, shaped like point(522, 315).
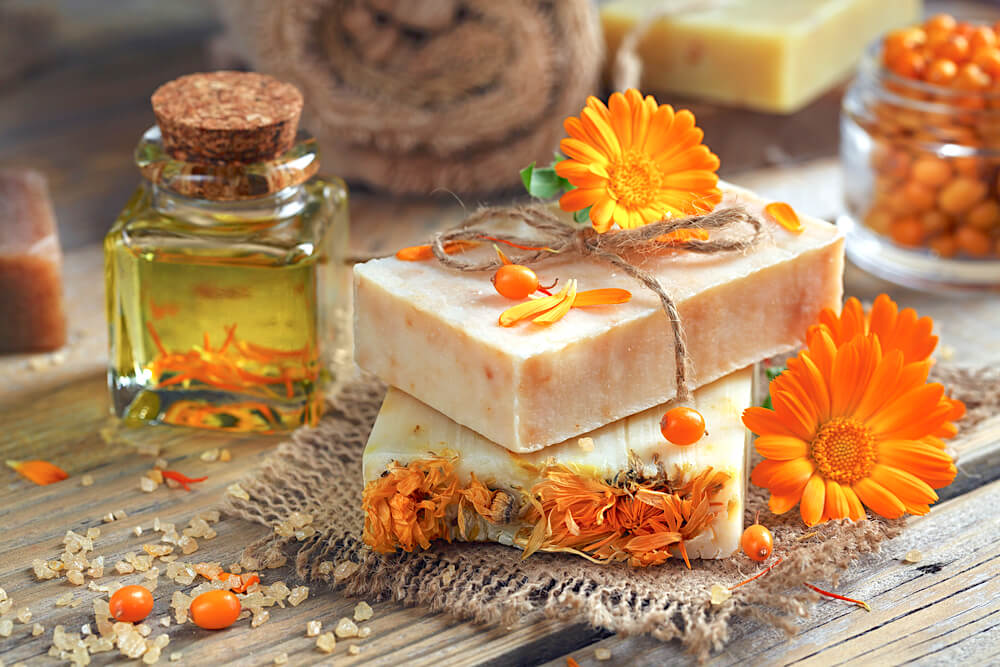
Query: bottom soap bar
point(618, 493)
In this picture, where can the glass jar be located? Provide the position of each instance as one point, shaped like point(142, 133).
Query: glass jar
point(921, 165)
point(227, 292)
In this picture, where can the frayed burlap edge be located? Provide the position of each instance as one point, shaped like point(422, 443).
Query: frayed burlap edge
point(319, 473)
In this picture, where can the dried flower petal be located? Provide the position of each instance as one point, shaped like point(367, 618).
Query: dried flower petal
point(784, 215)
point(39, 472)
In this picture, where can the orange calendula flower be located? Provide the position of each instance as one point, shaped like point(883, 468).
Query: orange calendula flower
point(896, 329)
point(549, 309)
point(634, 162)
point(39, 472)
point(852, 426)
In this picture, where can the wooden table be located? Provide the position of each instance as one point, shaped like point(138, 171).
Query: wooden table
point(78, 119)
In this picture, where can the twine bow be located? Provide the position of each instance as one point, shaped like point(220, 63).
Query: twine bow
point(555, 238)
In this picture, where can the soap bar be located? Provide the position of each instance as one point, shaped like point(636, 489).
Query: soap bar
point(31, 300)
point(621, 464)
point(771, 55)
point(433, 331)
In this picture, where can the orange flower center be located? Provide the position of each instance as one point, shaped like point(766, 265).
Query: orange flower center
point(844, 450)
point(635, 180)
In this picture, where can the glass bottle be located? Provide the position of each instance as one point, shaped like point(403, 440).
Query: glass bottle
point(227, 292)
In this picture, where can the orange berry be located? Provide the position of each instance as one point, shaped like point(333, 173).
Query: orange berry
point(131, 604)
point(757, 542)
point(907, 231)
point(944, 245)
point(931, 171)
point(984, 216)
point(908, 64)
point(515, 281)
point(961, 195)
point(988, 60)
point(941, 72)
point(919, 196)
point(972, 77)
point(973, 241)
point(682, 425)
point(982, 35)
point(940, 23)
point(935, 221)
point(955, 49)
point(214, 610)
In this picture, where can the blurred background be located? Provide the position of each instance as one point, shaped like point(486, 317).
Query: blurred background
point(76, 76)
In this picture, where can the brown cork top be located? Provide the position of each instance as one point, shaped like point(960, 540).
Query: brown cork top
point(227, 117)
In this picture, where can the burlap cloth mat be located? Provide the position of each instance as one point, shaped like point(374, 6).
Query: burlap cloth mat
point(319, 472)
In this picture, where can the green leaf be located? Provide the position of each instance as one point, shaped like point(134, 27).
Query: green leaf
point(543, 182)
point(772, 372)
point(583, 215)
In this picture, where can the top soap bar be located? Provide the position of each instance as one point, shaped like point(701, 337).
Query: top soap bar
point(773, 55)
point(433, 332)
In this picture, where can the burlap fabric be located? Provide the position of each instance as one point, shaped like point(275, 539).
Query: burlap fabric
point(319, 472)
point(412, 96)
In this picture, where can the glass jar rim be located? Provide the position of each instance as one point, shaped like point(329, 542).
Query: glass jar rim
point(226, 182)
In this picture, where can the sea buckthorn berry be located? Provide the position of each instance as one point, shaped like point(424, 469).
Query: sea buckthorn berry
point(972, 77)
point(982, 36)
point(918, 196)
point(682, 425)
point(757, 542)
point(944, 245)
point(984, 216)
point(907, 231)
point(215, 610)
point(935, 221)
point(515, 281)
point(961, 195)
point(956, 49)
point(988, 59)
point(941, 72)
point(973, 241)
point(931, 171)
point(131, 604)
point(940, 23)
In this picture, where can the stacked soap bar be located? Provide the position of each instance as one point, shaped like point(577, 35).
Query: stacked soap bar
point(548, 437)
point(772, 55)
point(633, 448)
point(31, 297)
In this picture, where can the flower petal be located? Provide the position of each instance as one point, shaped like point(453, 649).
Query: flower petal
point(781, 447)
point(903, 484)
point(857, 510)
point(837, 506)
point(813, 500)
point(879, 499)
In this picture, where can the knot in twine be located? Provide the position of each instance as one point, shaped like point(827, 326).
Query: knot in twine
point(555, 238)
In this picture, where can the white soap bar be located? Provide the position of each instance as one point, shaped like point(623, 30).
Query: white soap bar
point(628, 451)
point(433, 331)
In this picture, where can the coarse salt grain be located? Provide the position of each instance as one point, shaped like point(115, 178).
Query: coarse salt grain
point(313, 628)
point(146, 484)
point(237, 491)
point(298, 595)
point(362, 611)
point(365, 632)
point(720, 594)
point(260, 617)
point(225, 456)
point(137, 531)
point(87, 480)
point(151, 656)
point(326, 567)
point(64, 599)
point(175, 657)
point(344, 570)
point(75, 577)
point(346, 628)
point(602, 654)
point(281, 659)
point(6, 627)
point(188, 545)
point(354, 649)
point(210, 455)
point(121, 567)
point(326, 642)
point(24, 615)
point(913, 556)
point(37, 629)
point(144, 629)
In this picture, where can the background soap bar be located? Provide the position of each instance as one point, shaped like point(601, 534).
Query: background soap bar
point(433, 332)
point(32, 318)
point(773, 55)
point(406, 430)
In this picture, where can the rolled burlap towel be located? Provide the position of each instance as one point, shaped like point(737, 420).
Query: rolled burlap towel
point(413, 95)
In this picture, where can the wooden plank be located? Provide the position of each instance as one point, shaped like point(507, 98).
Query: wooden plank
point(932, 611)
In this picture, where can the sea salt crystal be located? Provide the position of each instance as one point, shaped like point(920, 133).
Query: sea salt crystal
point(6, 627)
point(326, 642)
point(93, 533)
point(75, 577)
point(313, 628)
point(586, 444)
point(137, 531)
point(260, 617)
point(281, 658)
point(42, 570)
point(298, 595)
point(146, 485)
point(143, 629)
point(344, 570)
point(913, 556)
point(121, 567)
point(161, 641)
point(188, 545)
point(151, 656)
point(37, 630)
point(24, 615)
point(354, 649)
point(365, 632)
point(175, 657)
point(346, 628)
point(131, 644)
point(237, 491)
point(362, 611)
point(210, 455)
point(326, 567)
point(87, 480)
point(225, 456)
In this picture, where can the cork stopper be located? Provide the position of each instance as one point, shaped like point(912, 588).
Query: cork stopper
point(227, 117)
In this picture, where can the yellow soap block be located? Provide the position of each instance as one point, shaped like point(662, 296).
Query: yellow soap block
point(772, 55)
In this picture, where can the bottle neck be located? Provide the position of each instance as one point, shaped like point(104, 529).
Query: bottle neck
point(269, 209)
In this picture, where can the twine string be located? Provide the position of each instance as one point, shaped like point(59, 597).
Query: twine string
point(555, 238)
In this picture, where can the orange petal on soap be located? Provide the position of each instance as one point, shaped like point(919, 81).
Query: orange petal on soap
point(39, 472)
point(419, 253)
point(684, 235)
point(784, 215)
point(601, 297)
point(523, 311)
point(568, 296)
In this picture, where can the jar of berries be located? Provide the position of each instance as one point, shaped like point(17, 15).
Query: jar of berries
point(920, 146)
